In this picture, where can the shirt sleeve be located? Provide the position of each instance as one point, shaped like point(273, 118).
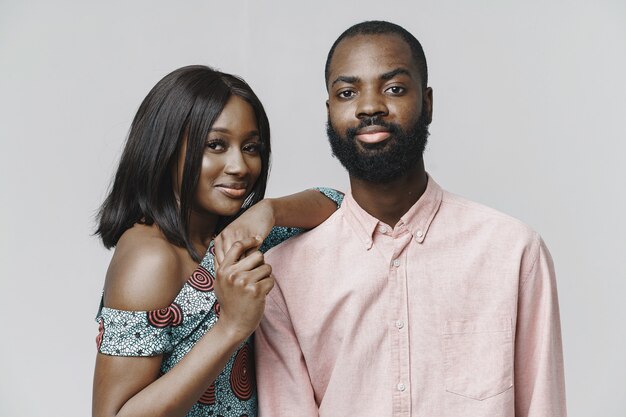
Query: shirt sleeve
point(279, 234)
point(539, 379)
point(283, 382)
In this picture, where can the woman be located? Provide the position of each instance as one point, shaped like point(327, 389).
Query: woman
point(174, 335)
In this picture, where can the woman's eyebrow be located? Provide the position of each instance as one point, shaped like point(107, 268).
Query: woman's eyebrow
point(249, 134)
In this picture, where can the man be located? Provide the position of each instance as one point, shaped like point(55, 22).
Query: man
point(409, 300)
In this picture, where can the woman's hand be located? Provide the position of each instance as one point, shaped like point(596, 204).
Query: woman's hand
point(241, 285)
point(257, 222)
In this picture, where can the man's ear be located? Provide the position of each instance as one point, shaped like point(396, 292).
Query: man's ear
point(428, 102)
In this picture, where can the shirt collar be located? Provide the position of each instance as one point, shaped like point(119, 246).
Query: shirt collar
point(417, 219)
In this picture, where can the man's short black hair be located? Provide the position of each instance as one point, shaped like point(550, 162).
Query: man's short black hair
point(379, 27)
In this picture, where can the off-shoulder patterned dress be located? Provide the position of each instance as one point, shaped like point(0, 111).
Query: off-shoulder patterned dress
point(174, 330)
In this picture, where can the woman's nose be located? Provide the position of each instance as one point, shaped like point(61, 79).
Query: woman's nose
point(236, 163)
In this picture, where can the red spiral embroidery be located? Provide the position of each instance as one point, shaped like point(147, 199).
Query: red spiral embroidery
point(201, 280)
point(216, 309)
point(208, 398)
point(177, 315)
point(168, 316)
point(242, 374)
point(100, 334)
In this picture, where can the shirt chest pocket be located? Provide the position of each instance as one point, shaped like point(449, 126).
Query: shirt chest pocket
point(478, 357)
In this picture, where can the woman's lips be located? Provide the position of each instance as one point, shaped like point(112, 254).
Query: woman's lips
point(233, 192)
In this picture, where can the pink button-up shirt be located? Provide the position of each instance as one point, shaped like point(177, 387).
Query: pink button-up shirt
point(451, 312)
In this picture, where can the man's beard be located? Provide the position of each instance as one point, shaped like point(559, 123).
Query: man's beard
point(385, 161)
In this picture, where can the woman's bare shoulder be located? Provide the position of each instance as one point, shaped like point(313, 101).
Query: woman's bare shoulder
point(145, 271)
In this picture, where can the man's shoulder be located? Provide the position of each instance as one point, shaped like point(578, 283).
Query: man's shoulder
point(474, 212)
point(311, 240)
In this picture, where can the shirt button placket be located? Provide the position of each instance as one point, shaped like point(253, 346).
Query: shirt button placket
point(398, 312)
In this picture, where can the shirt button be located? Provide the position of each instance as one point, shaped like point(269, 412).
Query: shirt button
point(396, 262)
point(419, 234)
point(399, 324)
point(383, 229)
point(401, 387)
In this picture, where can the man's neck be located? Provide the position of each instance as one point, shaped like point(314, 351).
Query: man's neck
point(389, 201)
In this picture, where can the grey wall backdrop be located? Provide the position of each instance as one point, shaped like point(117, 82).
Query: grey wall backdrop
point(529, 119)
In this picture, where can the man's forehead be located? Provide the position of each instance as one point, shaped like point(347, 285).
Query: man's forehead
point(378, 53)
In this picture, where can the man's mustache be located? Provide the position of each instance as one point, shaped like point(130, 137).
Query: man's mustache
point(372, 121)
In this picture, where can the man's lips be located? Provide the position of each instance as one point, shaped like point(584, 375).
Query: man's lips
point(235, 190)
point(372, 134)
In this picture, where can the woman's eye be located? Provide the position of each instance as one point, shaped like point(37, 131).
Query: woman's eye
point(346, 94)
point(216, 145)
point(253, 148)
point(396, 90)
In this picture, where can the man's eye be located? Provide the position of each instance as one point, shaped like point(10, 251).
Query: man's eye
point(346, 94)
point(396, 90)
point(216, 145)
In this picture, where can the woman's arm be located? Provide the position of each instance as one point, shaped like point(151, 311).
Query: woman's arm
point(306, 210)
point(131, 386)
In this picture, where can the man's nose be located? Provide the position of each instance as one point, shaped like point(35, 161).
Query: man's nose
point(371, 103)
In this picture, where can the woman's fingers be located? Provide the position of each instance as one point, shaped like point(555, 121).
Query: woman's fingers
point(225, 240)
point(249, 262)
point(219, 249)
point(265, 285)
point(237, 250)
point(255, 275)
point(223, 243)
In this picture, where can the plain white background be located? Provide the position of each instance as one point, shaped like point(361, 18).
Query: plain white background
point(529, 112)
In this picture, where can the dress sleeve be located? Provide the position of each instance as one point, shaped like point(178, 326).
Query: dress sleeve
point(136, 333)
point(336, 196)
point(279, 234)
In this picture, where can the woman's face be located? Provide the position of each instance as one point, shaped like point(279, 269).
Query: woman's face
point(231, 162)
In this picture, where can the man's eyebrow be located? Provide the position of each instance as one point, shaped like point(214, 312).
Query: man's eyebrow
point(389, 75)
point(346, 79)
point(349, 79)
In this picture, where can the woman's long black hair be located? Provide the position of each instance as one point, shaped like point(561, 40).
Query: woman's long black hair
point(186, 101)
